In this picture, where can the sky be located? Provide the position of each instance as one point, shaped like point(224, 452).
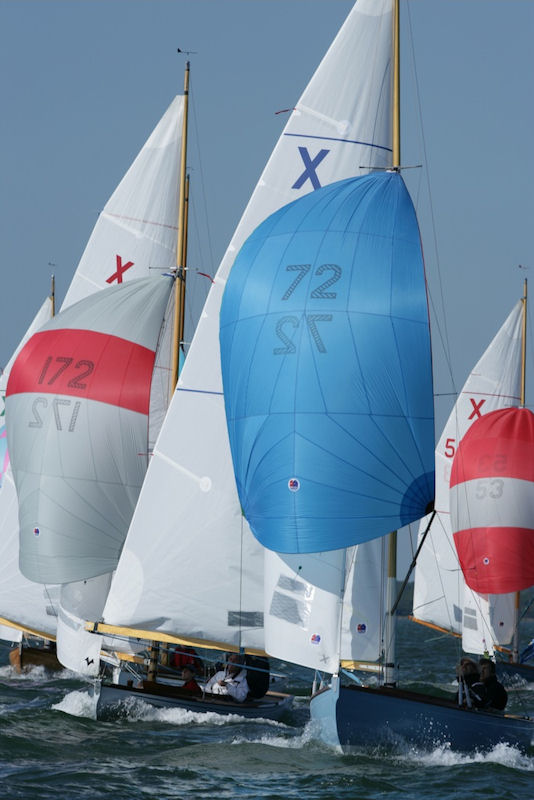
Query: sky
point(83, 82)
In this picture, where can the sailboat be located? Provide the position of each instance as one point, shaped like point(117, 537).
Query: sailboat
point(494, 550)
point(487, 623)
point(144, 588)
point(135, 237)
point(327, 382)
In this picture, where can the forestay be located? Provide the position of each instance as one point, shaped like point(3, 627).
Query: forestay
point(440, 594)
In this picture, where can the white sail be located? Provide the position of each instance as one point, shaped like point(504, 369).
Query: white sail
point(440, 594)
point(364, 602)
point(77, 649)
point(303, 607)
point(329, 136)
point(136, 232)
point(321, 608)
point(22, 602)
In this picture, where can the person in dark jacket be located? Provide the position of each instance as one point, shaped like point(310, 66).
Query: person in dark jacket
point(190, 684)
point(467, 674)
point(488, 692)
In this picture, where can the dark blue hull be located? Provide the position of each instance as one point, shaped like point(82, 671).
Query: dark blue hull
point(363, 716)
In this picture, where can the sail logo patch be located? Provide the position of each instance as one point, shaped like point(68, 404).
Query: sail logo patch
point(310, 165)
point(293, 484)
point(315, 638)
point(362, 627)
point(36, 532)
point(120, 269)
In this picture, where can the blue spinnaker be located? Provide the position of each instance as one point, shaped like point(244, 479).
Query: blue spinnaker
point(326, 364)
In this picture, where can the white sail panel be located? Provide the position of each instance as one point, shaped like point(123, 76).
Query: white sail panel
point(303, 607)
point(487, 620)
point(8, 634)
point(76, 648)
point(190, 565)
point(136, 233)
point(364, 602)
point(440, 595)
point(313, 599)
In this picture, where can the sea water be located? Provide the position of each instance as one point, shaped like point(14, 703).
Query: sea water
point(52, 746)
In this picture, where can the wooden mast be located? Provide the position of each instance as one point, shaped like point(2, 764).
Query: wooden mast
point(184, 263)
point(182, 244)
point(179, 295)
point(390, 676)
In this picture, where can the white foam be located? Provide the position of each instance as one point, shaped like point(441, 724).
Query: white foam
point(285, 742)
point(502, 753)
point(136, 710)
point(78, 704)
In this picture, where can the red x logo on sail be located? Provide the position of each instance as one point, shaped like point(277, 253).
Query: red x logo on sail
point(476, 408)
point(120, 270)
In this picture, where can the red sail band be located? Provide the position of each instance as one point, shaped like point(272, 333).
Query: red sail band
point(496, 560)
point(85, 364)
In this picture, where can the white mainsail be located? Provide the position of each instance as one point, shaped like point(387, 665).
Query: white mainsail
point(187, 532)
point(24, 603)
point(440, 595)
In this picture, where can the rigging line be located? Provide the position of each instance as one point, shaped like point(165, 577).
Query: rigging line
point(412, 565)
point(445, 335)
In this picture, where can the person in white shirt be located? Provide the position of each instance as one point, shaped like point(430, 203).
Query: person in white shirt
point(231, 681)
